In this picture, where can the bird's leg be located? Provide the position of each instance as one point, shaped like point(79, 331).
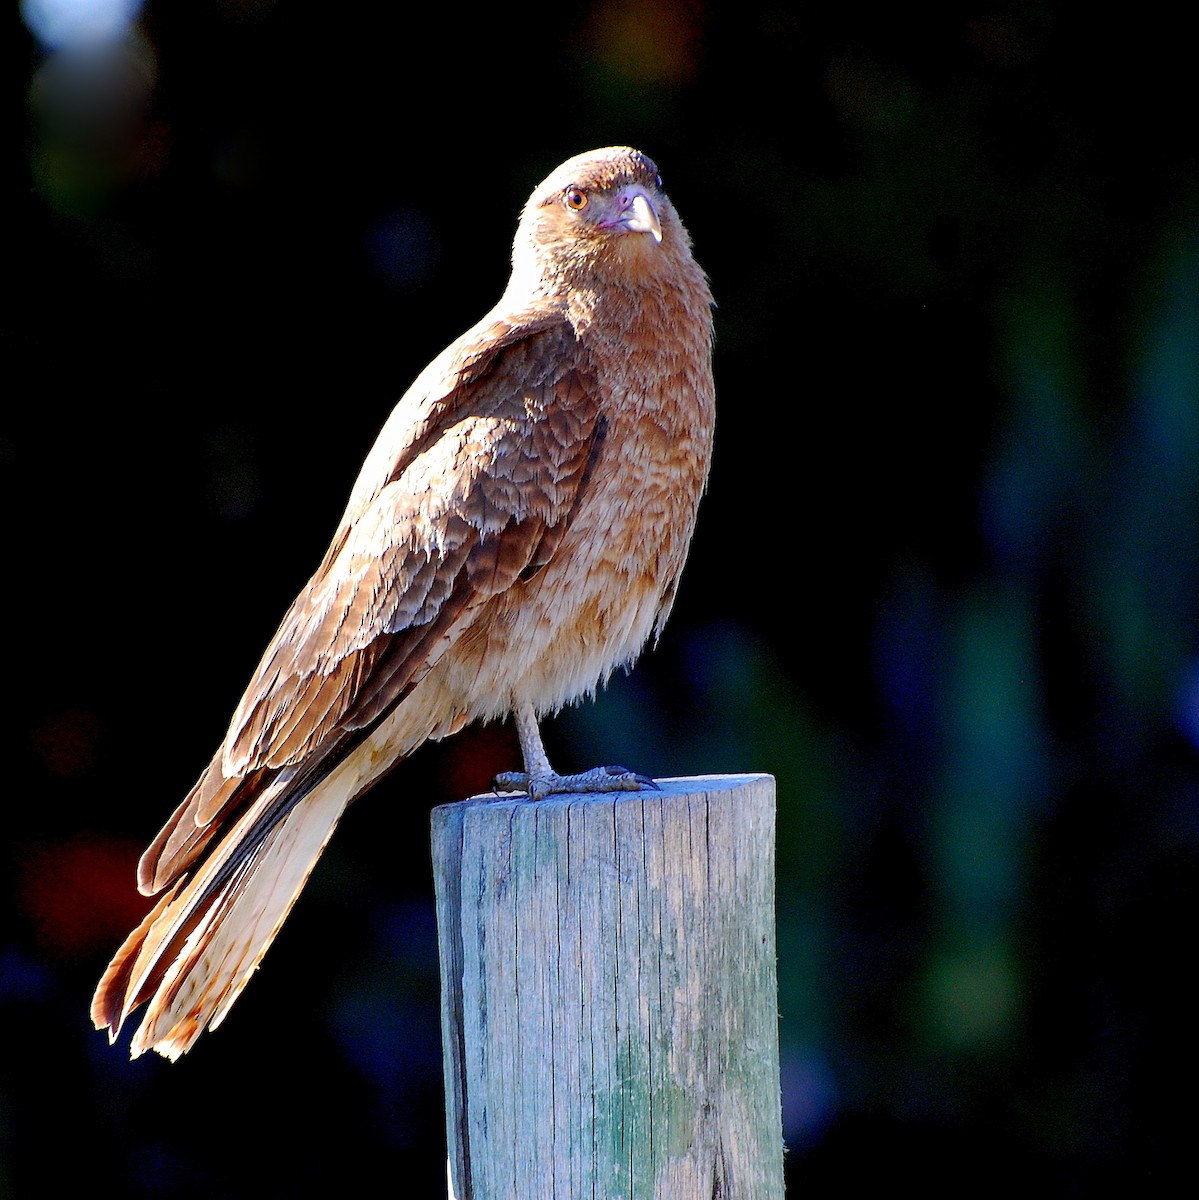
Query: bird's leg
point(538, 778)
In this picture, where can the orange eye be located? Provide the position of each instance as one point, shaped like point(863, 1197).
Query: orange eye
point(575, 199)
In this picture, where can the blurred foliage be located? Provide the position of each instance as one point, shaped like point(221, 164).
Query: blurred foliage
point(944, 586)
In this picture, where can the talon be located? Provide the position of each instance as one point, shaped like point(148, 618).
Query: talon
point(540, 780)
point(510, 781)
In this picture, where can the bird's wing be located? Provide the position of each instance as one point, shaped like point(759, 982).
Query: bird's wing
point(469, 490)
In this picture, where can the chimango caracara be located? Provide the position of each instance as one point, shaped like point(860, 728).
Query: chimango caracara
point(516, 534)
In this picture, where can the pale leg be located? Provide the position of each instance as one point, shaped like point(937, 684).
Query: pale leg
point(539, 779)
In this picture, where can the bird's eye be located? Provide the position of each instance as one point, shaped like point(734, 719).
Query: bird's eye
point(575, 199)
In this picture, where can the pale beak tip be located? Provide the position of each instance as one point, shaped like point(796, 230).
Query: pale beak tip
point(643, 218)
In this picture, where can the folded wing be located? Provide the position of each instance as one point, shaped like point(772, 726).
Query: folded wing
point(468, 491)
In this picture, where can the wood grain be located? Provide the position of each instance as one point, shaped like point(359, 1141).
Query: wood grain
point(610, 994)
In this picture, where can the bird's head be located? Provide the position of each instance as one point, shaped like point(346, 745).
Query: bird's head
point(603, 212)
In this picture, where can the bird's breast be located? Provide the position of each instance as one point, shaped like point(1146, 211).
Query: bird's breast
point(554, 637)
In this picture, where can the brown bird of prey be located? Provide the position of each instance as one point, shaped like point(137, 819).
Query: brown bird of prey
point(517, 533)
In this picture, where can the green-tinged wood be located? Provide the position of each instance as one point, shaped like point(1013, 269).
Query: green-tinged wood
point(609, 994)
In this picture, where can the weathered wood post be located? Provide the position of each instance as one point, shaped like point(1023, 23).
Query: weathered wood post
point(609, 994)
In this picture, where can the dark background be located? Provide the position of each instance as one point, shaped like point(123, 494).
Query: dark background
point(944, 585)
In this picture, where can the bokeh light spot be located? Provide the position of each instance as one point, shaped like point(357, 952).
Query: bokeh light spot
point(650, 42)
point(1188, 703)
point(79, 895)
point(59, 23)
point(973, 997)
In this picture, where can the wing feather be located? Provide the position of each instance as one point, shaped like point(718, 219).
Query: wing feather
point(469, 489)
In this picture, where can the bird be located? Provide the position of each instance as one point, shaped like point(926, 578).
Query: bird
point(516, 534)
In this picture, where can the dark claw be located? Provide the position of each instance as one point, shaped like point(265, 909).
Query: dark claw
point(644, 780)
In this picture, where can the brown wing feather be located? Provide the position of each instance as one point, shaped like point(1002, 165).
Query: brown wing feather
point(113, 988)
point(476, 494)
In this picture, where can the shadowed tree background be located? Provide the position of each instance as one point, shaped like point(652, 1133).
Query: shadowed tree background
point(945, 584)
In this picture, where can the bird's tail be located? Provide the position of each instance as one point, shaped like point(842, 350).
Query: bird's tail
point(196, 950)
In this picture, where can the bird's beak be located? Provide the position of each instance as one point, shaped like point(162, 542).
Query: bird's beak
point(637, 214)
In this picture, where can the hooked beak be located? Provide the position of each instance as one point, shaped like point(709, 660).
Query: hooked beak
point(635, 212)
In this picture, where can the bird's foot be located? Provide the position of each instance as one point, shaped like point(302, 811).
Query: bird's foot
point(599, 779)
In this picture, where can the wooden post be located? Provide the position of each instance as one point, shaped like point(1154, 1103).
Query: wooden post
point(609, 994)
